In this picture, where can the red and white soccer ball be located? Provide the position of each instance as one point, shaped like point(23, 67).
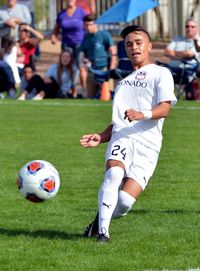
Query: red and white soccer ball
point(38, 181)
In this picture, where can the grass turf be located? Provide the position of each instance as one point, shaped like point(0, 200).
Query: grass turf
point(160, 233)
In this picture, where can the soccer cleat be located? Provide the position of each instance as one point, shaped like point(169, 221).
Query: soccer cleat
point(92, 229)
point(102, 238)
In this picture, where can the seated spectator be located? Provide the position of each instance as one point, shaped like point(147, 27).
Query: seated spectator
point(62, 78)
point(10, 57)
point(7, 81)
point(197, 45)
point(31, 6)
point(99, 51)
point(182, 52)
point(12, 15)
point(32, 85)
point(27, 45)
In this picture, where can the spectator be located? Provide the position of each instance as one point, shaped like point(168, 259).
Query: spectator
point(31, 6)
point(70, 21)
point(12, 15)
point(62, 78)
point(7, 81)
point(99, 50)
point(32, 85)
point(27, 45)
point(88, 5)
point(182, 48)
point(10, 57)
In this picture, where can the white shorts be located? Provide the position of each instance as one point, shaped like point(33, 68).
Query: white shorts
point(139, 160)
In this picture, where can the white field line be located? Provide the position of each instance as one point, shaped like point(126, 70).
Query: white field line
point(198, 269)
point(187, 108)
point(39, 103)
point(80, 104)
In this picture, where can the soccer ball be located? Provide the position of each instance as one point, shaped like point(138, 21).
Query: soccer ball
point(38, 181)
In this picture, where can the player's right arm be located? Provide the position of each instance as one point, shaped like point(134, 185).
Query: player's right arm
point(92, 140)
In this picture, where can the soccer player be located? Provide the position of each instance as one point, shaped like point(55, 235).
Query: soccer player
point(141, 102)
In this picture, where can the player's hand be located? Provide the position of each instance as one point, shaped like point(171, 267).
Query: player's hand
point(132, 115)
point(90, 141)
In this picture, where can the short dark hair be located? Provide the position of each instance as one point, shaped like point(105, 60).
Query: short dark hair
point(29, 66)
point(23, 24)
point(134, 28)
point(90, 18)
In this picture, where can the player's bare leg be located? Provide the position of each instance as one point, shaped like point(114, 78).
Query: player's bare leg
point(130, 191)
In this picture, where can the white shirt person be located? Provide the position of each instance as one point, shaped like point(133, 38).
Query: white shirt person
point(141, 102)
point(12, 15)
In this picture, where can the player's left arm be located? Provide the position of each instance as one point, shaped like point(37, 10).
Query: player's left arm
point(160, 111)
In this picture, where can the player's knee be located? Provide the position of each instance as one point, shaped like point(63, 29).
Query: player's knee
point(113, 178)
point(124, 204)
point(115, 173)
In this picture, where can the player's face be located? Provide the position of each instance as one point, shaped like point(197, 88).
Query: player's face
point(138, 47)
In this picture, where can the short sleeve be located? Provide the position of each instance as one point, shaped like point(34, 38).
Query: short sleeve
point(165, 87)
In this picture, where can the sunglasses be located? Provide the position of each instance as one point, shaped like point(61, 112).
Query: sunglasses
point(190, 26)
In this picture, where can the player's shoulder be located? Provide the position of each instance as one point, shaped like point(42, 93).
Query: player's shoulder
point(154, 68)
point(161, 72)
point(156, 71)
point(159, 68)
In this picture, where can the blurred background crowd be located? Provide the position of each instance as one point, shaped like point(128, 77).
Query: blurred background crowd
point(69, 48)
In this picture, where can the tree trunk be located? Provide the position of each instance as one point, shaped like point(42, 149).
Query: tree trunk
point(160, 22)
point(196, 4)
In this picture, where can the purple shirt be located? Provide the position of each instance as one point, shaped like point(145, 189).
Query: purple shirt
point(72, 26)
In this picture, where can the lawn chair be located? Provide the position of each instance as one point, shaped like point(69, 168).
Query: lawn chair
point(182, 74)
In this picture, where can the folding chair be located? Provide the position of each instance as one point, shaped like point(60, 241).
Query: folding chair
point(182, 74)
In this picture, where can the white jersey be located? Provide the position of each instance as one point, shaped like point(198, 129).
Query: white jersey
point(142, 90)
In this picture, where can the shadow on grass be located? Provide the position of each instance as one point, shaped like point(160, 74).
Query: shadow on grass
point(48, 234)
point(51, 235)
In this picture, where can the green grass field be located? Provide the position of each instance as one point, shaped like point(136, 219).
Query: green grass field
point(162, 232)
